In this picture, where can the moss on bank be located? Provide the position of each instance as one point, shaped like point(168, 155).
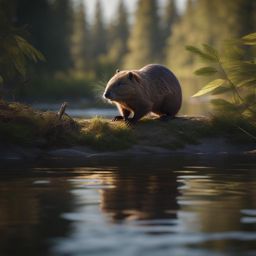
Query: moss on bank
point(104, 135)
point(20, 124)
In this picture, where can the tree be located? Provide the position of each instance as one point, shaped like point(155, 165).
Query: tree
point(244, 10)
point(183, 33)
point(207, 21)
point(169, 19)
point(144, 44)
point(49, 23)
point(80, 47)
point(36, 17)
point(218, 25)
point(99, 38)
point(15, 50)
point(60, 34)
point(119, 33)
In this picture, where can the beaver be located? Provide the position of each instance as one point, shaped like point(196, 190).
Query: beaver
point(153, 88)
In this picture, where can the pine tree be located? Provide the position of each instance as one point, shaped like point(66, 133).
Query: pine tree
point(245, 12)
point(119, 31)
point(15, 51)
point(230, 19)
point(80, 47)
point(60, 34)
point(49, 23)
point(144, 44)
point(169, 19)
point(210, 22)
point(177, 58)
point(36, 16)
point(220, 24)
point(99, 38)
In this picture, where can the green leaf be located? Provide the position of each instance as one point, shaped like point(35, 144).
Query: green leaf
point(206, 71)
point(241, 73)
point(28, 50)
point(200, 53)
point(233, 50)
point(211, 51)
point(251, 99)
point(20, 67)
point(249, 39)
point(248, 82)
point(226, 88)
point(210, 87)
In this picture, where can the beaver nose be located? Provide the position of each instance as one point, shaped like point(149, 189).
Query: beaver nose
point(107, 95)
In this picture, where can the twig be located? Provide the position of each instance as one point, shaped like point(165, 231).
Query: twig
point(62, 110)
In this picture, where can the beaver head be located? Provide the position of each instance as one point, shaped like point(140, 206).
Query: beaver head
point(122, 86)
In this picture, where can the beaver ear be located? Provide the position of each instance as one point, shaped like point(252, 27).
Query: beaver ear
point(132, 76)
point(117, 71)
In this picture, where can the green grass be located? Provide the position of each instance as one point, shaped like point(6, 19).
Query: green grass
point(101, 134)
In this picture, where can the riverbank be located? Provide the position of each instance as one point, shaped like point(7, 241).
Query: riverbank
point(27, 133)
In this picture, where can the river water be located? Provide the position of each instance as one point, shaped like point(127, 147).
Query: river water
point(79, 110)
point(129, 206)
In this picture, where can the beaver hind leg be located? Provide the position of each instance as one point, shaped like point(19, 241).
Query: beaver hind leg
point(169, 108)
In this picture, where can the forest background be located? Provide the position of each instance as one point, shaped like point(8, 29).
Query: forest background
point(83, 51)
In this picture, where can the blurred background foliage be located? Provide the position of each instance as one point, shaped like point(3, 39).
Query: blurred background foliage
point(82, 53)
point(232, 83)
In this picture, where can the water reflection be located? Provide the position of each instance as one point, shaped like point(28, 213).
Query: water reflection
point(218, 198)
point(29, 214)
point(141, 197)
point(157, 206)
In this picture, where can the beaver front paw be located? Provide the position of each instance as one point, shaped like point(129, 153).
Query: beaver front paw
point(118, 118)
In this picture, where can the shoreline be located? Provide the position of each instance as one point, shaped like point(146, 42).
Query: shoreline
point(26, 133)
point(208, 147)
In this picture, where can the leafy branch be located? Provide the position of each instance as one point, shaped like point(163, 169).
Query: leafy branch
point(232, 73)
point(15, 52)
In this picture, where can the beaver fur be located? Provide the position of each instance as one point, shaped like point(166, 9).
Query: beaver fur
point(153, 88)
